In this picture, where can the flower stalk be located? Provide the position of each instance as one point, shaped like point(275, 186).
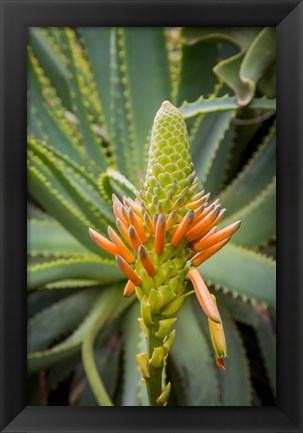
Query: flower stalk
point(168, 230)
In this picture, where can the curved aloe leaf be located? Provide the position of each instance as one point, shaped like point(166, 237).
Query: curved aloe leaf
point(112, 182)
point(196, 75)
point(47, 238)
point(61, 317)
point(72, 344)
point(243, 273)
point(236, 388)
point(258, 219)
point(257, 317)
point(90, 267)
point(254, 177)
point(207, 139)
point(224, 103)
point(41, 42)
point(242, 71)
point(194, 362)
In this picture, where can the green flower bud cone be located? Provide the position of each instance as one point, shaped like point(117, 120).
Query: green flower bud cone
point(170, 171)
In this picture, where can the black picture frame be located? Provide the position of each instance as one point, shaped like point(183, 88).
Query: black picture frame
point(16, 16)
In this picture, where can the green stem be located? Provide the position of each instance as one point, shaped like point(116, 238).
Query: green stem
point(154, 383)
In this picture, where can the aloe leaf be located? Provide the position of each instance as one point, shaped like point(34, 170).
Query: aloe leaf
point(40, 300)
point(92, 268)
point(237, 36)
point(146, 61)
point(134, 391)
point(79, 92)
point(257, 317)
point(70, 284)
point(228, 70)
point(37, 214)
point(112, 182)
point(72, 345)
point(96, 42)
point(242, 71)
point(58, 319)
point(46, 118)
point(224, 103)
point(258, 219)
point(44, 188)
point(196, 75)
point(44, 50)
point(207, 140)
point(242, 272)
point(62, 370)
point(259, 57)
point(195, 364)
point(217, 172)
point(76, 185)
point(50, 239)
point(254, 177)
point(235, 380)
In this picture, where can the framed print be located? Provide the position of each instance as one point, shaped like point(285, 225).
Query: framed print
point(145, 224)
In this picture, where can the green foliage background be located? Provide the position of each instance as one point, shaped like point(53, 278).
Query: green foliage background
point(92, 97)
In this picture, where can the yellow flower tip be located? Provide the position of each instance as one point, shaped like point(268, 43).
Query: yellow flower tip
point(128, 271)
point(219, 236)
point(206, 254)
point(204, 297)
point(134, 238)
point(146, 261)
point(220, 363)
point(182, 228)
point(160, 234)
point(129, 289)
point(102, 242)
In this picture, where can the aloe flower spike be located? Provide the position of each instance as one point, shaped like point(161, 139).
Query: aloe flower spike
point(171, 228)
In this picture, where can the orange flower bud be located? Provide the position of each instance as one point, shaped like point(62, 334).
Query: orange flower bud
point(204, 297)
point(217, 237)
point(122, 248)
point(206, 254)
point(146, 261)
point(129, 289)
point(102, 242)
point(182, 228)
point(160, 234)
point(136, 222)
point(202, 227)
point(128, 271)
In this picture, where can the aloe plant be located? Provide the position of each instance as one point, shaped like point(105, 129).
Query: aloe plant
point(92, 97)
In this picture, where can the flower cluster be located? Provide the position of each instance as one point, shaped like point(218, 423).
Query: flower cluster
point(164, 234)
